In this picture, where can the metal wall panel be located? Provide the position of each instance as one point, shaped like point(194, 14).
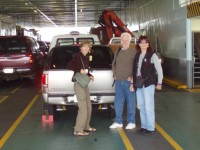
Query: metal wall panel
point(167, 21)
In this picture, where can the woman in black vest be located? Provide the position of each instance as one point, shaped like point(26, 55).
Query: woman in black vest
point(147, 66)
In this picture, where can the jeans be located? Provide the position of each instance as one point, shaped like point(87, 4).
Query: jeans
point(122, 93)
point(145, 100)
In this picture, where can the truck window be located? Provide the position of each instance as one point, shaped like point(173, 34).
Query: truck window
point(65, 41)
point(61, 56)
point(101, 58)
point(13, 45)
point(116, 41)
point(79, 40)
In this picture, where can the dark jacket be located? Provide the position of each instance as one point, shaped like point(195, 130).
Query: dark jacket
point(148, 70)
point(76, 64)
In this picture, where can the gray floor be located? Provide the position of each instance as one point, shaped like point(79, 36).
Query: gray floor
point(176, 113)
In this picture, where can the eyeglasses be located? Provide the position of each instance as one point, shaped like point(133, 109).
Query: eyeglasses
point(144, 42)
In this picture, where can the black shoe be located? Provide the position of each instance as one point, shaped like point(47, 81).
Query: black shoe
point(141, 131)
point(147, 132)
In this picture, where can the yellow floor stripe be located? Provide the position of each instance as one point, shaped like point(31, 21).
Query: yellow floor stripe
point(16, 123)
point(17, 88)
point(175, 83)
point(168, 138)
point(180, 85)
point(125, 139)
point(3, 99)
point(193, 90)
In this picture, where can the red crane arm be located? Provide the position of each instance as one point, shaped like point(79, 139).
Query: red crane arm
point(108, 19)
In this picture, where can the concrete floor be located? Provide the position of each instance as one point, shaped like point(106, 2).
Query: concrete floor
point(21, 128)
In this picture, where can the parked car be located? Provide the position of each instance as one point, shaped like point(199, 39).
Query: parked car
point(57, 85)
point(19, 57)
point(72, 39)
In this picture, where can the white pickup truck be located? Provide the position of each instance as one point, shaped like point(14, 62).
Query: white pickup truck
point(57, 86)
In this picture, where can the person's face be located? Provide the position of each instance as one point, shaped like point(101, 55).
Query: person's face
point(85, 49)
point(125, 42)
point(144, 45)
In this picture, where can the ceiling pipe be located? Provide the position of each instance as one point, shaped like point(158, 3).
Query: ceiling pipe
point(35, 8)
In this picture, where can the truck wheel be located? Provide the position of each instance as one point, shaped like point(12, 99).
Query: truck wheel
point(49, 110)
point(111, 110)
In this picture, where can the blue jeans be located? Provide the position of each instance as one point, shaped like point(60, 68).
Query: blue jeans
point(122, 93)
point(145, 100)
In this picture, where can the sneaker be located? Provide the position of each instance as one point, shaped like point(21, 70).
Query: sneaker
point(130, 126)
point(116, 125)
point(147, 132)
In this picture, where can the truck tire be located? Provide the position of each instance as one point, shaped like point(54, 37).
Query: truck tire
point(49, 110)
point(111, 111)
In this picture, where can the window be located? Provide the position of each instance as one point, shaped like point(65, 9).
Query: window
point(79, 40)
point(13, 45)
point(61, 56)
point(101, 57)
point(65, 41)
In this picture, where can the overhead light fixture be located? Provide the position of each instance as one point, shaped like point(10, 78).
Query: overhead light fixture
point(75, 3)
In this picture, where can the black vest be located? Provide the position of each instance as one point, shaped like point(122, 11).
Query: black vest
point(148, 70)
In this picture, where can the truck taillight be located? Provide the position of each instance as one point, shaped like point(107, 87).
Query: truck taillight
point(44, 79)
point(30, 58)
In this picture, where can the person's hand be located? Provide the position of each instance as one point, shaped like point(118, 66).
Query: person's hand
point(114, 77)
point(129, 79)
point(159, 87)
point(83, 71)
point(131, 88)
point(92, 78)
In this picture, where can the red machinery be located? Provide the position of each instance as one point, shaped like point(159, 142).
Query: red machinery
point(107, 30)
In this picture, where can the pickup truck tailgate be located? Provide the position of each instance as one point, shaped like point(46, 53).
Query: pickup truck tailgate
point(59, 82)
point(103, 80)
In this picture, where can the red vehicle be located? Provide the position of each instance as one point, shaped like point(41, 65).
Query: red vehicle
point(111, 26)
point(20, 57)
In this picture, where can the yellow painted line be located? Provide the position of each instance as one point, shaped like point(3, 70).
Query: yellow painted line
point(3, 99)
point(168, 138)
point(175, 83)
point(17, 88)
point(179, 85)
point(193, 90)
point(125, 139)
point(17, 122)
